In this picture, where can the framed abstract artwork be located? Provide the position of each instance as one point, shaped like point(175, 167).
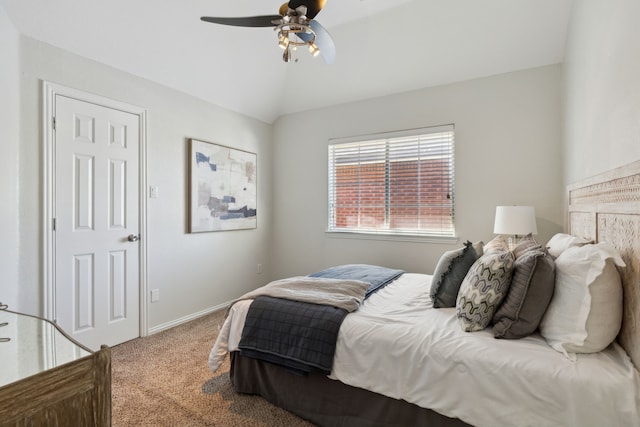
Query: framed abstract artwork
point(223, 189)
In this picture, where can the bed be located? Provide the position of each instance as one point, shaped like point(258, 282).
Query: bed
point(398, 361)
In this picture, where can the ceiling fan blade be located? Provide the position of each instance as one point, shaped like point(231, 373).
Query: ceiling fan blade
point(313, 6)
point(323, 41)
point(247, 21)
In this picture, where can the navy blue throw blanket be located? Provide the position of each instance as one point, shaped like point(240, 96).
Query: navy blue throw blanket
point(376, 276)
point(302, 336)
point(297, 335)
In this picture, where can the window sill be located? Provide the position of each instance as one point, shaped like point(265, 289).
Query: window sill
point(392, 237)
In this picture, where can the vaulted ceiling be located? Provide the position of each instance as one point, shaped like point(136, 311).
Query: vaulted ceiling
point(383, 46)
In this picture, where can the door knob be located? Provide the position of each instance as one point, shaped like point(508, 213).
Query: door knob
point(133, 237)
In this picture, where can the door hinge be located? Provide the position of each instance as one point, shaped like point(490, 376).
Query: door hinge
point(53, 224)
point(53, 123)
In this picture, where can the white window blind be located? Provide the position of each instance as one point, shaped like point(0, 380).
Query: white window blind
point(400, 183)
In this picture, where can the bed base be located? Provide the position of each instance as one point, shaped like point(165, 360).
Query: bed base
point(327, 402)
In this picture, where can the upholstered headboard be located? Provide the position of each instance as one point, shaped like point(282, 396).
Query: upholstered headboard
point(606, 208)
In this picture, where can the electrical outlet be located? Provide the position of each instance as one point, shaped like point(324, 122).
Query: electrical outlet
point(155, 295)
point(259, 268)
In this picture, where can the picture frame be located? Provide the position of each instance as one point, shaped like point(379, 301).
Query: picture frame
point(223, 188)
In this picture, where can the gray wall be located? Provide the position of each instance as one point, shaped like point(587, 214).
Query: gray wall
point(9, 143)
point(507, 151)
point(601, 88)
point(193, 272)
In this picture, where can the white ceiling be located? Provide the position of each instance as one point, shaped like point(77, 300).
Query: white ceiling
point(383, 46)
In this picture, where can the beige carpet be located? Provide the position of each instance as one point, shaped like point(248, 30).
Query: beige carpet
point(164, 380)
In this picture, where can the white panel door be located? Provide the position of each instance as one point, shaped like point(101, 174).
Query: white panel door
point(96, 213)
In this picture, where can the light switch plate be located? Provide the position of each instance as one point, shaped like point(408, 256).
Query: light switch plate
point(154, 192)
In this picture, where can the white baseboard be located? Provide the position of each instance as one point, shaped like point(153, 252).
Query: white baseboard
point(185, 319)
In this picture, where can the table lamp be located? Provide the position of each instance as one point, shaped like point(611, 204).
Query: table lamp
point(515, 221)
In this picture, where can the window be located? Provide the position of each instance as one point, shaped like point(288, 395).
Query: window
point(399, 183)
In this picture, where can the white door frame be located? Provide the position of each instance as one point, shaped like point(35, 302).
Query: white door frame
point(49, 92)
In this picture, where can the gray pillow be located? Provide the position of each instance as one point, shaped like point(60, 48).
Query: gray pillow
point(450, 271)
point(528, 297)
point(483, 289)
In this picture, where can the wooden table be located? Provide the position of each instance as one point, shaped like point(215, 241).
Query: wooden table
point(48, 379)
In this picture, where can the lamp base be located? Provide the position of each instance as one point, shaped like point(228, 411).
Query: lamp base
point(513, 240)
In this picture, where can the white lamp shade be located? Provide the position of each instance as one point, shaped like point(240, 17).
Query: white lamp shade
point(515, 220)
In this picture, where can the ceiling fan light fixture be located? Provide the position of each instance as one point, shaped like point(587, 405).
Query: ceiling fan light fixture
point(293, 34)
point(313, 49)
point(286, 56)
point(283, 41)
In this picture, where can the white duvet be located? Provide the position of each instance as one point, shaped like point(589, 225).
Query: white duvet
point(398, 345)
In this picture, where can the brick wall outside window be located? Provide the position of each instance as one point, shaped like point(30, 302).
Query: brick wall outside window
point(364, 205)
point(396, 183)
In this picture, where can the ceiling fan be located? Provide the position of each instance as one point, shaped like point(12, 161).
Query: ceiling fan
point(295, 25)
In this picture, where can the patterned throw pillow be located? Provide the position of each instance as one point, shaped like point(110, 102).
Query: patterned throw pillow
point(500, 243)
point(483, 289)
point(450, 271)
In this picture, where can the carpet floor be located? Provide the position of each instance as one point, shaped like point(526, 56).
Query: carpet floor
point(164, 380)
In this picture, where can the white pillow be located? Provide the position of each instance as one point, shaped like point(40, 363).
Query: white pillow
point(561, 242)
point(585, 313)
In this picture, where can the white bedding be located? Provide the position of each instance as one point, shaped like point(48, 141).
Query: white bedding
point(397, 345)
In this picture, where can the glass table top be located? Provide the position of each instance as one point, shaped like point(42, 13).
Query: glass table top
point(29, 345)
